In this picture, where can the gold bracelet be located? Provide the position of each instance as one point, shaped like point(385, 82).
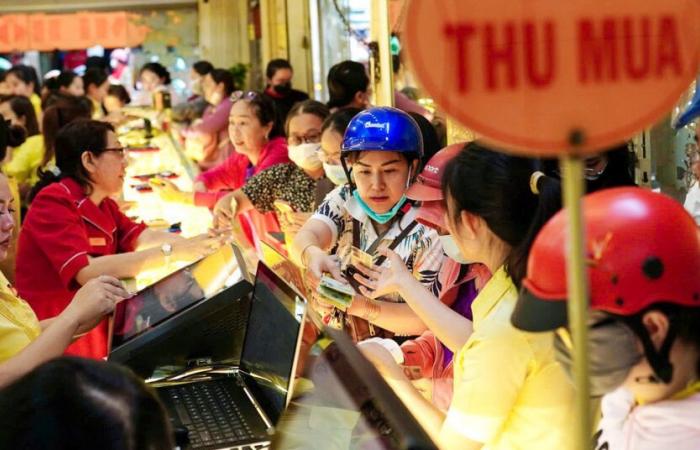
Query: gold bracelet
point(372, 309)
point(301, 255)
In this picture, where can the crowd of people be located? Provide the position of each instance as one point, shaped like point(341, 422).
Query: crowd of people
point(456, 257)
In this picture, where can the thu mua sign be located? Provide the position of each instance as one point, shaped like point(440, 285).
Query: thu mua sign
point(530, 74)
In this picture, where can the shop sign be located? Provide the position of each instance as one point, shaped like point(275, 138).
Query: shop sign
point(46, 32)
point(537, 76)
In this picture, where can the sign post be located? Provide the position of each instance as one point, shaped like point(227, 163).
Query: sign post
point(577, 286)
point(557, 79)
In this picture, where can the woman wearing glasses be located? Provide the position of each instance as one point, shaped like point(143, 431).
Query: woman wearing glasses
point(74, 231)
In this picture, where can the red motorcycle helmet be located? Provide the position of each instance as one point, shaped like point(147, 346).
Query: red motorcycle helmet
point(428, 188)
point(642, 249)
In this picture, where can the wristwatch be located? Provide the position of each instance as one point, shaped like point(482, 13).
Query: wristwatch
point(167, 250)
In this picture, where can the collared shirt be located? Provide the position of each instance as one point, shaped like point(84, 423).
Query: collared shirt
point(509, 391)
point(421, 249)
point(18, 323)
point(62, 229)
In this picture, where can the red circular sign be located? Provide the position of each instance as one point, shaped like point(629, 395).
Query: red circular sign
point(532, 75)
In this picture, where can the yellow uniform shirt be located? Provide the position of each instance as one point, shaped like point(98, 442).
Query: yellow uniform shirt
point(97, 113)
point(36, 103)
point(18, 323)
point(509, 392)
point(26, 160)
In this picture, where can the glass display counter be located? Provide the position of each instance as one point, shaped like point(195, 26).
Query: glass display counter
point(160, 155)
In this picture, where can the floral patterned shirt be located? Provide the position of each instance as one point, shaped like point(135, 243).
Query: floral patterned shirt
point(421, 250)
point(281, 182)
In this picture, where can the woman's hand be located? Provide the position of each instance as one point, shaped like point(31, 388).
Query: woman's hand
point(93, 301)
point(168, 191)
point(382, 359)
point(292, 222)
point(225, 211)
point(318, 263)
point(380, 281)
point(197, 247)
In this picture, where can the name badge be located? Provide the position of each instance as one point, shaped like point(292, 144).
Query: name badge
point(98, 241)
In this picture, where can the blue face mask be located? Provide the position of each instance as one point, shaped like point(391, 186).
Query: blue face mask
point(377, 217)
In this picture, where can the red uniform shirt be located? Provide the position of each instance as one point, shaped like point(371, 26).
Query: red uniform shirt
point(62, 228)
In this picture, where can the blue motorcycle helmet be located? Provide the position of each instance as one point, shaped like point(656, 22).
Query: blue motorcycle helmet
point(381, 129)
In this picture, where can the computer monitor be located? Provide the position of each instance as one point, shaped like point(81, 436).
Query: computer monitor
point(272, 341)
point(345, 404)
point(180, 318)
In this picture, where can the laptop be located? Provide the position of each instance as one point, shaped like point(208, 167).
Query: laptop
point(162, 324)
point(223, 407)
point(283, 266)
point(343, 403)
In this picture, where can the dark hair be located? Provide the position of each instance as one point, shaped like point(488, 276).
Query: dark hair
point(346, 79)
point(3, 74)
point(159, 69)
point(276, 64)
point(688, 328)
point(431, 143)
point(496, 187)
point(22, 107)
point(226, 77)
point(97, 62)
point(265, 110)
point(26, 74)
point(312, 107)
point(60, 111)
point(339, 120)
point(51, 85)
point(119, 91)
point(94, 76)
point(65, 78)
point(80, 404)
point(618, 173)
point(395, 63)
point(10, 136)
point(202, 67)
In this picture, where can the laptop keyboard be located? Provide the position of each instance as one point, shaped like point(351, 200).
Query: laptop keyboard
point(210, 414)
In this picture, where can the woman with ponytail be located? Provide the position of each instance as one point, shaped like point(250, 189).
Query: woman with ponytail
point(509, 392)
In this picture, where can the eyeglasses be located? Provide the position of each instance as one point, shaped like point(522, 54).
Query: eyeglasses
point(328, 159)
point(243, 95)
point(119, 150)
point(313, 137)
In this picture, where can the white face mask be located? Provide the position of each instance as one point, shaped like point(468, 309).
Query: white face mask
point(305, 156)
point(335, 173)
point(450, 247)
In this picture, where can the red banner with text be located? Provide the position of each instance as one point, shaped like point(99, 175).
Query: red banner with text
point(45, 32)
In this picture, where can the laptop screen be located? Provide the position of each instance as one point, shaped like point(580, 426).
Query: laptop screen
point(271, 341)
point(174, 294)
point(346, 404)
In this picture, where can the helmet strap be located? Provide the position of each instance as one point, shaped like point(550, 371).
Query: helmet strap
point(347, 173)
point(659, 360)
